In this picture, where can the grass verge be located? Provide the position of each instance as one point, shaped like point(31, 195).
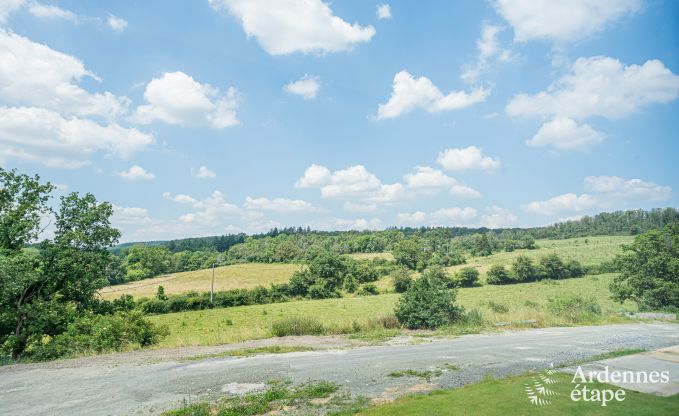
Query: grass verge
point(507, 397)
point(249, 352)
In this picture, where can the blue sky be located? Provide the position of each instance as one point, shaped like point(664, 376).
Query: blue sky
point(207, 117)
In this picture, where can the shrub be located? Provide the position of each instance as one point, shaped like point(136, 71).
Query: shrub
point(320, 290)
point(402, 280)
point(498, 275)
point(497, 307)
point(574, 268)
point(553, 267)
point(350, 284)
point(299, 283)
point(474, 318)
point(297, 326)
point(574, 308)
point(386, 322)
point(99, 333)
point(525, 270)
point(467, 277)
point(428, 302)
point(368, 289)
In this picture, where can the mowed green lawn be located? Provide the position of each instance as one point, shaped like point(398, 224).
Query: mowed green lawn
point(587, 250)
point(237, 276)
point(507, 397)
point(229, 325)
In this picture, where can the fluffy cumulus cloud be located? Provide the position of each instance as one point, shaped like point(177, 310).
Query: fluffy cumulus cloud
point(564, 133)
point(468, 158)
point(383, 11)
point(601, 86)
point(33, 74)
point(345, 224)
point(410, 93)
point(496, 217)
point(306, 87)
point(277, 25)
point(562, 21)
point(490, 52)
point(179, 198)
point(136, 173)
point(602, 192)
point(43, 136)
point(442, 217)
point(36, 9)
point(278, 205)
point(620, 188)
point(595, 86)
point(363, 191)
point(204, 173)
point(129, 215)
point(176, 98)
point(116, 23)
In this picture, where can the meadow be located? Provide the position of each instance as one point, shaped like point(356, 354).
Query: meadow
point(589, 251)
point(237, 276)
point(525, 301)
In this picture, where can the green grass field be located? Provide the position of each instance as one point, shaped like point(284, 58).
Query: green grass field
point(229, 325)
point(588, 251)
point(507, 397)
point(236, 276)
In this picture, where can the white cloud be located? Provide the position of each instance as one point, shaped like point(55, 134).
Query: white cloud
point(204, 173)
point(314, 175)
point(563, 203)
point(496, 217)
point(278, 204)
point(33, 74)
point(130, 215)
point(442, 217)
point(425, 177)
point(352, 181)
point(43, 136)
point(383, 11)
point(619, 188)
point(604, 192)
point(116, 23)
point(306, 87)
point(288, 26)
point(564, 133)
point(213, 209)
point(359, 207)
point(464, 191)
point(344, 224)
point(467, 158)
point(490, 51)
point(409, 94)
point(49, 12)
point(601, 86)
point(562, 20)
point(7, 7)
point(180, 198)
point(136, 173)
point(176, 98)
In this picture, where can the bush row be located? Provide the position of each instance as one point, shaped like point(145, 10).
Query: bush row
point(524, 269)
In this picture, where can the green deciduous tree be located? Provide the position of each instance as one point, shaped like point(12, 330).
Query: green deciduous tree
point(429, 302)
point(650, 269)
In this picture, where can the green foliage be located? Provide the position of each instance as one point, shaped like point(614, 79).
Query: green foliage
point(552, 267)
point(498, 275)
point(402, 280)
point(525, 270)
point(650, 270)
point(23, 200)
point(429, 302)
point(410, 253)
point(42, 292)
point(467, 277)
point(160, 293)
point(368, 289)
point(143, 262)
point(497, 307)
point(98, 333)
point(575, 308)
point(297, 326)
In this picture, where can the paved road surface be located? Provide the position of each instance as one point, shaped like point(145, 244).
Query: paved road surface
point(149, 388)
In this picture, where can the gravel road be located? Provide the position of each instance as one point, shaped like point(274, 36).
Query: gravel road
point(133, 388)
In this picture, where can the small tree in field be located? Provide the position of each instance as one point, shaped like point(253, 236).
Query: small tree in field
point(467, 277)
point(498, 275)
point(429, 302)
point(650, 269)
